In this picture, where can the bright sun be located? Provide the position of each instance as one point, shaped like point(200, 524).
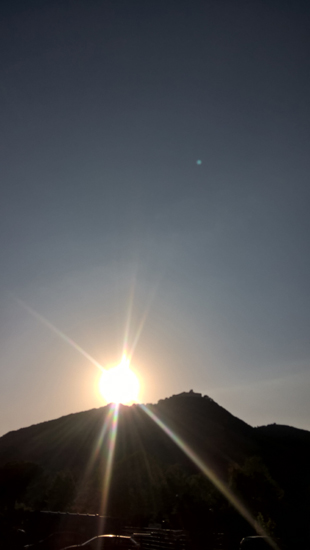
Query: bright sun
point(119, 384)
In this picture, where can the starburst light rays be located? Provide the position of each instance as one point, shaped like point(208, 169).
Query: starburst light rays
point(97, 451)
point(128, 318)
point(204, 468)
point(59, 333)
point(128, 349)
point(114, 409)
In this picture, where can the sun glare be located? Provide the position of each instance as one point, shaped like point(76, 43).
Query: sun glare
point(120, 384)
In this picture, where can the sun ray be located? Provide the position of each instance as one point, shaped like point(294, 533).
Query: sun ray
point(99, 445)
point(62, 335)
point(204, 468)
point(146, 461)
point(129, 315)
point(141, 325)
point(114, 408)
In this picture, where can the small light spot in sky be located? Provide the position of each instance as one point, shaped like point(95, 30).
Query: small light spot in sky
point(198, 161)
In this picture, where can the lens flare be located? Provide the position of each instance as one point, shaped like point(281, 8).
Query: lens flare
point(59, 333)
point(114, 409)
point(121, 385)
point(204, 468)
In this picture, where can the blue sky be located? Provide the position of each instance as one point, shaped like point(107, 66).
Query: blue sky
point(106, 108)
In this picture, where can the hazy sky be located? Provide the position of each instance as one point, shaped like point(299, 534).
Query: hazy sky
point(106, 106)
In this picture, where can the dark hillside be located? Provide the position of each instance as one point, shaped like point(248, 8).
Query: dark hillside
point(67, 442)
point(152, 478)
point(215, 434)
point(286, 435)
point(56, 444)
point(207, 428)
point(287, 452)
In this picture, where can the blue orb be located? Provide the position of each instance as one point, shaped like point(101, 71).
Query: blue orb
point(198, 161)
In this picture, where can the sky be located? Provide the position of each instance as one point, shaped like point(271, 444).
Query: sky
point(115, 234)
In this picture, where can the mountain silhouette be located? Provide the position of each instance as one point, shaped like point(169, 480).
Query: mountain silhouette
point(210, 431)
point(68, 442)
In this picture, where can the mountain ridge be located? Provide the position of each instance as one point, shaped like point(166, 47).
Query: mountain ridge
point(211, 431)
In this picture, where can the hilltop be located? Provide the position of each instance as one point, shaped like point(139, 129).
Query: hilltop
point(207, 428)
